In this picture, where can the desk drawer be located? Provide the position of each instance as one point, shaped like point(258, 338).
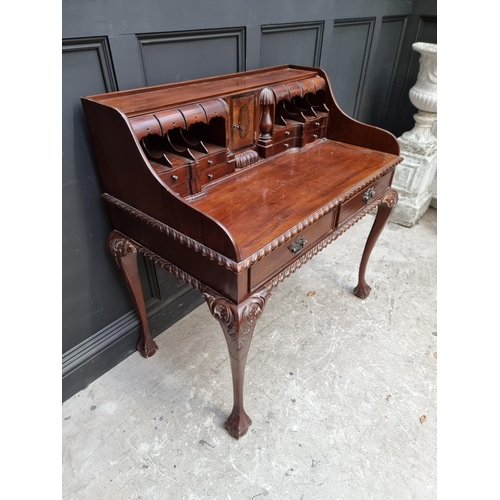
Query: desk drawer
point(272, 263)
point(212, 160)
point(315, 124)
point(293, 142)
point(313, 135)
point(364, 197)
point(178, 180)
point(283, 133)
point(211, 174)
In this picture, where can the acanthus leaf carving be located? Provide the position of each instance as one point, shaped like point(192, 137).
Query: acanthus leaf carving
point(238, 321)
point(120, 246)
point(390, 198)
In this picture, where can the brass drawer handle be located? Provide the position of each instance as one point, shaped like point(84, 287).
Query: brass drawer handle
point(210, 176)
point(369, 195)
point(287, 132)
point(210, 162)
point(317, 124)
point(298, 245)
point(175, 177)
point(315, 136)
point(286, 144)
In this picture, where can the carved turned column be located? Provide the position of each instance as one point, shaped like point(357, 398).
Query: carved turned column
point(266, 122)
point(125, 253)
point(238, 323)
point(384, 210)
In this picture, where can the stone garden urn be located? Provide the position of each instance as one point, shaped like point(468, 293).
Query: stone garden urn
point(414, 176)
point(423, 95)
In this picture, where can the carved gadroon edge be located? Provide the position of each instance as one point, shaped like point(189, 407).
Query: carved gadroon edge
point(174, 234)
point(169, 267)
point(238, 321)
point(120, 245)
point(390, 199)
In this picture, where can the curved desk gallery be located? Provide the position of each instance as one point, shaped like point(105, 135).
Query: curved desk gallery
point(233, 182)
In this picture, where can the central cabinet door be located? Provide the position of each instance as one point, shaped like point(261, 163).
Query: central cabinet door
point(243, 121)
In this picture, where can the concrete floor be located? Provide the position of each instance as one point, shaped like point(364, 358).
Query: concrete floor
point(341, 391)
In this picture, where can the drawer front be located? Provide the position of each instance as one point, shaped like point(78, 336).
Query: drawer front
point(293, 142)
point(364, 197)
point(283, 133)
point(313, 135)
point(315, 124)
point(178, 180)
point(211, 174)
point(212, 160)
point(274, 262)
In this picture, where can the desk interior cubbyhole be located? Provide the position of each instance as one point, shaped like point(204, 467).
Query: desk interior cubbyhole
point(179, 146)
point(301, 109)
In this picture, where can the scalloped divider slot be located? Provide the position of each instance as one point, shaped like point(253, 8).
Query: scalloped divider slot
point(181, 140)
point(165, 151)
point(179, 146)
point(213, 133)
point(317, 101)
point(175, 147)
point(300, 115)
point(301, 104)
point(286, 110)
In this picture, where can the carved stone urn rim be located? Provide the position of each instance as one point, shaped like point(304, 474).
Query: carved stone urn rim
point(425, 48)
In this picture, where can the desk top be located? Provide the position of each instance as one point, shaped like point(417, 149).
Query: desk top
point(265, 200)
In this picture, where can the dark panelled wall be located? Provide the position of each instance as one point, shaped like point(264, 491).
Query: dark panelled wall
point(364, 45)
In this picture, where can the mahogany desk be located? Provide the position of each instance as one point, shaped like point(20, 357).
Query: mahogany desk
point(231, 183)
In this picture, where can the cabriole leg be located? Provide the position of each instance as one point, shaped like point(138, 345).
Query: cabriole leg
point(383, 212)
point(125, 253)
point(238, 323)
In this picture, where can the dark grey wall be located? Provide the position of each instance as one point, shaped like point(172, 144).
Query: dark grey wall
point(364, 45)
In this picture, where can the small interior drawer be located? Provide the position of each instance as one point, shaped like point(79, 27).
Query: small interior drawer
point(212, 160)
point(293, 142)
point(315, 124)
point(282, 133)
point(213, 173)
point(178, 180)
point(313, 135)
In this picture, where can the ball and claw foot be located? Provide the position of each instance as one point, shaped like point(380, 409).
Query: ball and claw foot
point(237, 424)
point(362, 290)
point(147, 348)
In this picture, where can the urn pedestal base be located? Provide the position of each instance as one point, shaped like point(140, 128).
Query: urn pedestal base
point(410, 210)
point(412, 180)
